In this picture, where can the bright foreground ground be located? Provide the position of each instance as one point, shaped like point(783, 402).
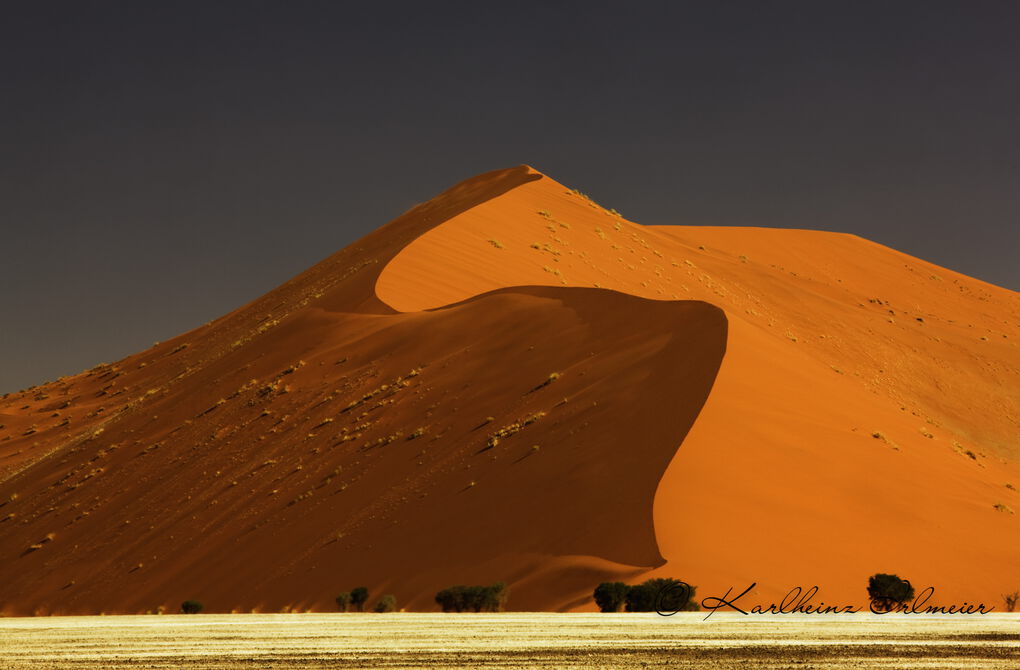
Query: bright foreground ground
point(510, 640)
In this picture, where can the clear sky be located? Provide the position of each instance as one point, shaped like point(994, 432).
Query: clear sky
point(162, 163)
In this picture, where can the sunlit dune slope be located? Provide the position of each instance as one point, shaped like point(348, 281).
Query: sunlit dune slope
point(865, 418)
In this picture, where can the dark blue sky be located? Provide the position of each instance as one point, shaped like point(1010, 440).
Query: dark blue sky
point(163, 163)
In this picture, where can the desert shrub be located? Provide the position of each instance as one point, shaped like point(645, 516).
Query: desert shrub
point(191, 607)
point(462, 598)
point(473, 596)
point(493, 597)
point(888, 591)
point(640, 598)
point(610, 596)
point(388, 603)
point(358, 598)
point(451, 599)
point(663, 594)
point(343, 600)
point(1011, 599)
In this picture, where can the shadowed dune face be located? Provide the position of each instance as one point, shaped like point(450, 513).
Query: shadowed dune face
point(57, 413)
point(374, 421)
point(479, 441)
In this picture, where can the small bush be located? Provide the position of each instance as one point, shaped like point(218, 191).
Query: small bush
point(388, 603)
point(1011, 599)
point(473, 598)
point(343, 600)
point(610, 596)
point(191, 607)
point(358, 598)
point(888, 591)
point(552, 376)
point(663, 594)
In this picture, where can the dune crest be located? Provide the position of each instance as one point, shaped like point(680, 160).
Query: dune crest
point(865, 410)
point(317, 439)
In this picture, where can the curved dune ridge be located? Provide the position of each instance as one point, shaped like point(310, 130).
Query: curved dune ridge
point(509, 382)
point(317, 440)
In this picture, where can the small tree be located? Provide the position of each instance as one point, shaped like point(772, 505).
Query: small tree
point(343, 600)
point(663, 594)
point(473, 598)
point(888, 591)
point(640, 598)
point(494, 597)
point(610, 596)
point(451, 599)
point(358, 598)
point(388, 603)
point(1011, 600)
point(191, 607)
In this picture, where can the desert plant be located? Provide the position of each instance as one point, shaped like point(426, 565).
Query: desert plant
point(358, 598)
point(1011, 600)
point(640, 598)
point(473, 598)
point(388, 603)
point(191, 607)
point(888, 591)
point(553, 376)
point(663, 594)
point(610, 596)
point(451, 599)
point(343, 600)
point(494, 597)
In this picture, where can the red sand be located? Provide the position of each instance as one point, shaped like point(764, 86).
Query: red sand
point(863, 420)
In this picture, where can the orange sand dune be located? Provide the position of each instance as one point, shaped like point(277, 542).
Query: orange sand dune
point(391, 418)
point(865, 417)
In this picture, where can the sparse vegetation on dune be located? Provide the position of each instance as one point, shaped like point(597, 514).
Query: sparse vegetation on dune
point(512, 429)
point(553, 376)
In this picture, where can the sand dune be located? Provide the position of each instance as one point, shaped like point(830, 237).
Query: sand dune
point(510, 382)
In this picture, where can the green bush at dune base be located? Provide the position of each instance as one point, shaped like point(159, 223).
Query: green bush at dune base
point(191, 607)
point(473, 598)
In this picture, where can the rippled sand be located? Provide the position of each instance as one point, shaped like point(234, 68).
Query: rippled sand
point(510, 640)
